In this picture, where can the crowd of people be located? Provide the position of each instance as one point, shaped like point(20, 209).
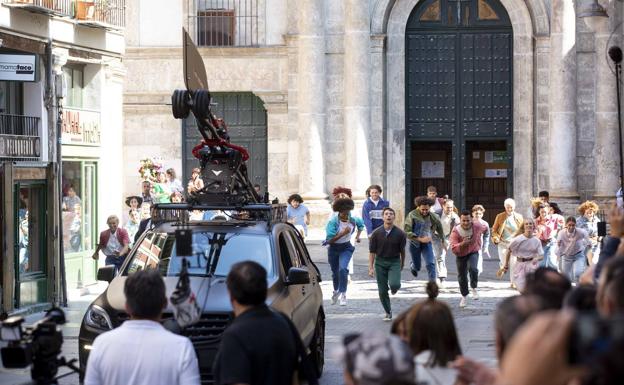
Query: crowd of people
point(435, 231)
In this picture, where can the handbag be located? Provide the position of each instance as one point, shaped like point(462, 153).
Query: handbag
point(185, 309)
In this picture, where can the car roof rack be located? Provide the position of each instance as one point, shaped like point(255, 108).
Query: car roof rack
point(257, 212)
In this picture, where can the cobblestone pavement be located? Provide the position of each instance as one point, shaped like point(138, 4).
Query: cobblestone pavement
point(363, 312)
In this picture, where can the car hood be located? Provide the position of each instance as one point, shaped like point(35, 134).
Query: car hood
point(211, 293)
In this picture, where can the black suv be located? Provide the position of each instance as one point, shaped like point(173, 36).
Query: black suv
point(294, 287)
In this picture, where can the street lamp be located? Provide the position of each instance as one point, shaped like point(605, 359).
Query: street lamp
point(593, 13)
point(615, 53)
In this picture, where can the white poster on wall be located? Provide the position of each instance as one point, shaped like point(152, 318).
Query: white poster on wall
point(18, 67)
point(496, 173)
point(432, 169)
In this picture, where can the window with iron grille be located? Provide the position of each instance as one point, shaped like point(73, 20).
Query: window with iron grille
point(224, 22)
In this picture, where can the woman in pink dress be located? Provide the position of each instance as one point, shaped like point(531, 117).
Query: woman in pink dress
point(527, 250)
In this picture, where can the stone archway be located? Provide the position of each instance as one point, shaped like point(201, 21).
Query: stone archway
point(390, 18)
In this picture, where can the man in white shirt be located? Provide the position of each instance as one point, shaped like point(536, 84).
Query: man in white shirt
point(141, 351)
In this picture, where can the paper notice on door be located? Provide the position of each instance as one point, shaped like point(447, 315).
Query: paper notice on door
point(496, 173)
point(476, 154)
point(489, 157)
point(432, 169)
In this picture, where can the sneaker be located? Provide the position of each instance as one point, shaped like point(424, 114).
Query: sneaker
point(334, 297)
point(463, 302)
point(441, 283)
point(393, 292)
point(475, 294)
point(388, 317)
point(343, 299)
point(414, 271)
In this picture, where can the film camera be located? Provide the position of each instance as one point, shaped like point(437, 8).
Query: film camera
point(38, 345)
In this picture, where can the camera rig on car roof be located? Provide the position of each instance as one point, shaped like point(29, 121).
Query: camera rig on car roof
point(226, 185)
point(223, 169)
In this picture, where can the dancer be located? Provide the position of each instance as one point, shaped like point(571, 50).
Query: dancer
point(449, 220)
point(505, 226)
point(420, 225)
point(373, 208)
point(588, 221)
point(527, 250)
point(477, 214)
point(571, 244)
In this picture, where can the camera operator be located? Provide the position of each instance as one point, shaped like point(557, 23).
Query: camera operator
point(141, 351)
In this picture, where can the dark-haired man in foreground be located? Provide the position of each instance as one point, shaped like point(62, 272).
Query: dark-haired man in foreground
point(141, 351)
point(261, 346)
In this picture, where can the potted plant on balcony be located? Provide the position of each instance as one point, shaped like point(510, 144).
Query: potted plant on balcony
point(85, 9)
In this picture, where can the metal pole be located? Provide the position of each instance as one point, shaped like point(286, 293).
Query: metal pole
point(618, 74)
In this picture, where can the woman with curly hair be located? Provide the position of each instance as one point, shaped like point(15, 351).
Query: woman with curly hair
point(527, 250)
point(339, 230)
point(588, 221)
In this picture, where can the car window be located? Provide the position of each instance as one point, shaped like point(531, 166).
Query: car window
point(294, 245)
point(286, 253)
point(157, 250)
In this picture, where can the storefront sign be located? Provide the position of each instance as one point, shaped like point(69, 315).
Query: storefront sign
point(81, 127)
point(18, 67)
point(19, 146)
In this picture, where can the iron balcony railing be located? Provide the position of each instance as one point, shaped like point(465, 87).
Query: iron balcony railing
point(217, 23)
point(57, 7)
point(108, 12)
point(19, 137)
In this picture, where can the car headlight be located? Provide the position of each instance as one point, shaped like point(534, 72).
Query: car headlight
point(97, 317)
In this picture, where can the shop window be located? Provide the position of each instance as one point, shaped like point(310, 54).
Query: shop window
point(79, 206)
point(30, 232)
point(74, 81)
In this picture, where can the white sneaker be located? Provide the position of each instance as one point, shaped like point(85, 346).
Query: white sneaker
point(463, 302)
point(475, 294)
point(343, 299)
point(334, 297)
point(441, 283)
point(388, 317)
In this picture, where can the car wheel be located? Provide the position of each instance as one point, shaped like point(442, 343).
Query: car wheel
point(317, 345)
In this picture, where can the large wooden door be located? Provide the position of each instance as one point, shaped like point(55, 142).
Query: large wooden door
point(459, 85)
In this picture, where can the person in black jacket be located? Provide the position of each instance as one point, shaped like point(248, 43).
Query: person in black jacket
point(147, 224)
point(247, 356)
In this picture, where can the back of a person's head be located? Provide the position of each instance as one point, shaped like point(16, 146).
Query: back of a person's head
point(549, 285)
point(581, 298)
point(610, 295)
point(247, 283)
point(511, 313)
point(377, 358)
point(145, 294)
point(430, 326)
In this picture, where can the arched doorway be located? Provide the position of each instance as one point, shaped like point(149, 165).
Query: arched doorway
point(459, 118)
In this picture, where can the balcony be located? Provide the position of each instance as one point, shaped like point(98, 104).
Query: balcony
point(48, 7)
point(223, 23)
point(109, 14)
point(19, 137)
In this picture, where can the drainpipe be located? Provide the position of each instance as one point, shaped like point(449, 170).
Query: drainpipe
point(54, 117)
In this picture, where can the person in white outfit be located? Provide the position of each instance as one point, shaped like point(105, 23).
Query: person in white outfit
point(141, 351)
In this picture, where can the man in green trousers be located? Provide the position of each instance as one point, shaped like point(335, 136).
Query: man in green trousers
point(386, 258)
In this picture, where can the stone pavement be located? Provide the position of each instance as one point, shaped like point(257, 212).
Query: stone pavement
point(363, 312)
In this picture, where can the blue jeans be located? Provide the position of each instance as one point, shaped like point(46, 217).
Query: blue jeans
point(549, 254)
point(573, 266)
point(426, 250)
point(339, 255)
point(116, 261)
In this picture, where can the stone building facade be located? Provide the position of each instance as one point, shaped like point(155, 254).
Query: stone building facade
point(525, 102)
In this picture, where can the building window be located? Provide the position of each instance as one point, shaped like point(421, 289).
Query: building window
point(31, 229)
point(224, 22)
point(74, 81)
point(11, 96)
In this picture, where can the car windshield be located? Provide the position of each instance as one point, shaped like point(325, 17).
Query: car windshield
point(158, 251)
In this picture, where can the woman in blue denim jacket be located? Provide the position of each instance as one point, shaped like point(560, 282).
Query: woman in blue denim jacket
point(339, 230)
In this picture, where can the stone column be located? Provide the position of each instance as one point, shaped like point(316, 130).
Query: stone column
point(357, 97)
point(378, 122)
point(562, 142)
point(311, 99)
point(607, 136)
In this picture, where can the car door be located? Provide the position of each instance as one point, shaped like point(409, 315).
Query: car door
point(312, 296)
point(295, 293)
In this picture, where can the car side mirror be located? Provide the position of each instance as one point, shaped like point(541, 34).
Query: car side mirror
point(298, 276)
point(106, 273)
